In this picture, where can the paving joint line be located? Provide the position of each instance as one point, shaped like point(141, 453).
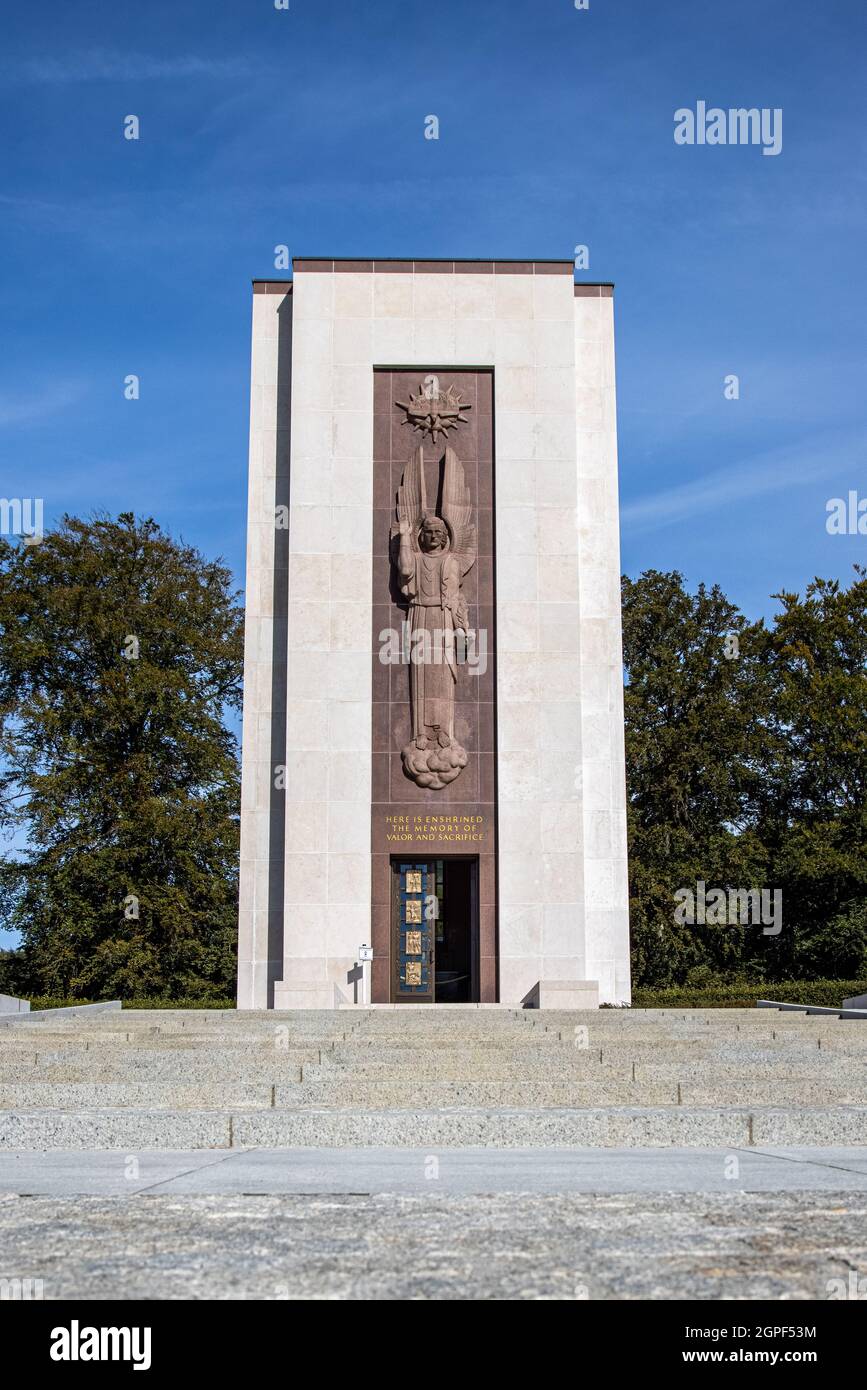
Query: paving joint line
point(202, 1168)
point(802, 1162)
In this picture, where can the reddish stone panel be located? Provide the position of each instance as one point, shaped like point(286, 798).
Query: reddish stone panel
point(433, 820)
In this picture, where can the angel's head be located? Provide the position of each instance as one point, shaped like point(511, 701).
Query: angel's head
point(434, 534)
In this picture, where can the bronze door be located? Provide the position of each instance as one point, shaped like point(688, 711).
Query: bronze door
point(413, 944)
point(435, 930)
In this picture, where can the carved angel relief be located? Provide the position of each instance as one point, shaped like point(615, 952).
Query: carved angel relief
point(433, 553)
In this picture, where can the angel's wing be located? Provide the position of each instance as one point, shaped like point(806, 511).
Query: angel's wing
point(411, 496)
point(457, 510)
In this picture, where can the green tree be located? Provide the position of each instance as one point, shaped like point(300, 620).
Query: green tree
point(814, 812)
point(696, 706)
point(120, 656)
point(748, 772)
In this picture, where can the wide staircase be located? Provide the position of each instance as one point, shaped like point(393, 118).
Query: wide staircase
point(425, 1077)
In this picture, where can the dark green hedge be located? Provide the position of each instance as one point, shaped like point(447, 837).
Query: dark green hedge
point(54, 1001)
point(743, 995)
point(740, 995)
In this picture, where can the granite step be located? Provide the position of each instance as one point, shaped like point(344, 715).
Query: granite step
point(127, 1095)
point(663, 1084)
point(203, 1068)
point(158, 1071)
point(519, 1034)
point(591, 1127)
point(730, 1053)
point(56, 1047)
point(427, 1095)
point(391, 1051)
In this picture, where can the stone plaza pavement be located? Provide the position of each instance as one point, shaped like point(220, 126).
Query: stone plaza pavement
point(445, 1153)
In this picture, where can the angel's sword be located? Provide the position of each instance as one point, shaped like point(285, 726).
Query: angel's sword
point(421, 481)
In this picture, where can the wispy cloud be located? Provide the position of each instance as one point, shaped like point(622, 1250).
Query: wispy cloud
point(111, 218)
point(777, 470)
point(99, 65)
point(24, 408)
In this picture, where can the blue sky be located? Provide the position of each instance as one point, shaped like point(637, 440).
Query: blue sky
point(305, 127)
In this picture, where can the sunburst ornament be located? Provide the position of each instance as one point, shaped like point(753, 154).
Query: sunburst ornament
point(432, 411)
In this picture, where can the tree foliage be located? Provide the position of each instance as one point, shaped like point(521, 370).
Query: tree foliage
point(746, 768)
point(120, 655)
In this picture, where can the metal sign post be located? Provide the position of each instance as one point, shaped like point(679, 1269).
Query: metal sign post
point(365, 956)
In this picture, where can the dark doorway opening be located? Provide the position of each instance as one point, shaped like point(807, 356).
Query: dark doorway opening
point(435, 930)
